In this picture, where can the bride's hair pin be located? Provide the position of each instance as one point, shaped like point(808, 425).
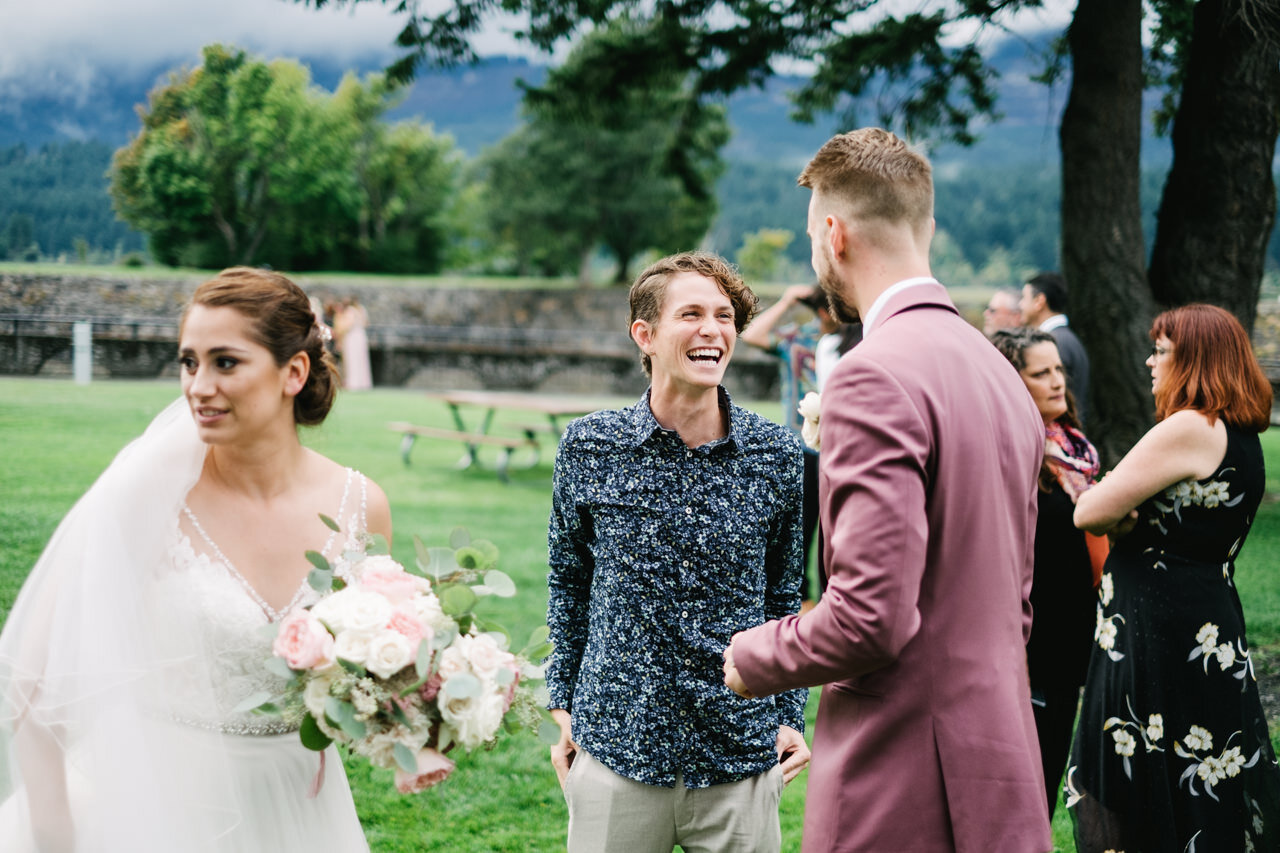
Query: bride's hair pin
point(325, 334)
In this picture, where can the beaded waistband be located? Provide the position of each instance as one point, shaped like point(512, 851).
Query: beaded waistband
point(239, 727)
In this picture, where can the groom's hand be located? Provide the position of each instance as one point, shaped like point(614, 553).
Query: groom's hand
point(564, 750)
point(732, 679)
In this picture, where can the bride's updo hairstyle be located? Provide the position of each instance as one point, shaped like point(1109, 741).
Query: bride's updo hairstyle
point(283, 322)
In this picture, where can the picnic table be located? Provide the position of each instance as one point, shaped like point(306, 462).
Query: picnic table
point(481, 408)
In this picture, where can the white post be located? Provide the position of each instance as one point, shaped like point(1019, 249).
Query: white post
point(82, 351)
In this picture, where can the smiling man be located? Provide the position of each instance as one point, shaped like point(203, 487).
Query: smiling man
point(675, 523)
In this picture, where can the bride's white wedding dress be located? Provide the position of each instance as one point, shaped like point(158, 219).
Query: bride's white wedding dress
point(127, 672)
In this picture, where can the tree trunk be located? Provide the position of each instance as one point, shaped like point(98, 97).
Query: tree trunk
point(1219, 200)
point(1102, 247)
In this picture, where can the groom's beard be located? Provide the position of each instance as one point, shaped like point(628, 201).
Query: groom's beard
point(840, 307)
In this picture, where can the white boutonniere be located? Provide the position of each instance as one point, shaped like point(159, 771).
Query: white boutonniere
point(810, 408)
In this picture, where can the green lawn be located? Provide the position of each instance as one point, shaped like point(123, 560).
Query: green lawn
point(57, 437)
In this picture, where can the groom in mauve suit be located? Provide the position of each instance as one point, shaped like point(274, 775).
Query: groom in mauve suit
point(931, 446)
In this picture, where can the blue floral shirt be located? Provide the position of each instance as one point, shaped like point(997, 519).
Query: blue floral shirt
point(659, 554)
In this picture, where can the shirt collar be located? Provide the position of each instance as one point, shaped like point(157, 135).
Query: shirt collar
point(1054, 322)
point(644, 424)
point(869, 318)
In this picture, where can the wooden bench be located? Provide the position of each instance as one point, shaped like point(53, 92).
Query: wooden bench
point(472, 441)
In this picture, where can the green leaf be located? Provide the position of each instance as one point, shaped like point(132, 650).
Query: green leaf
point(538, 636)
point(499, 583)
point(311, 735)
point(343, 715)
point(378, 544)
point(440, 562)
point(330, 523)
point(396, 711)
point(352, 667)
point(278, 666)
point(423, 554)
point(422, 665)
point(321, 580)
point(503, 677)
point(469, 558)
point(444, 638)
point(548, 732)
point(269, 709)
point(539, 652)
point(456, 599)
point(256, 700)
point(462, 685)
point(407, 761)
point(500, 634)
point(318, 560)
point(489, 550)
point(465, 621)
point(459, 538)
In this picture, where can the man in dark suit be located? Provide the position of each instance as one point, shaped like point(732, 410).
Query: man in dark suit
point(1044, 306)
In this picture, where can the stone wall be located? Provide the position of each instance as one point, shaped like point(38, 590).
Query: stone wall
point(568, 340)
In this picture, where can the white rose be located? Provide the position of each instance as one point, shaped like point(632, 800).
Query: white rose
point(377, 561)
point(315, 694)
point(389, 652)
point(473, 720)
point(331, 609)
point(365, 611)
point(352, 646)
point(810, 409)
point(428, 609)
point(484, 655)
point(453, 660)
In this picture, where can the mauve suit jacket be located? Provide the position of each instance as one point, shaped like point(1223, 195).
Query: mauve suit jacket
point(925, 739)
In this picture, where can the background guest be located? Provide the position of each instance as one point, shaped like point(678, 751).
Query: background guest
point(1002, 311)
point(1043, 306)
point(1062, 588)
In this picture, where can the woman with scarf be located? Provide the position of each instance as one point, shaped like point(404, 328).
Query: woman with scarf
point(1062, 594)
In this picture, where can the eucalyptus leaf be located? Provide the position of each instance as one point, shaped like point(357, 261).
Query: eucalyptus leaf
point(352, 667)
point(251, 702)
point(321, 580)
point(456, 599)
point(398, 713)
point(541, 696)
point(489, 550)
point(469, 558)
point(540, 652)
point(462, 685)
point(422, 665)
point(498, 634)
point(330, 523)
point(548, 732)
point(318, 560)
point(269, 709)
point(378, 544)
point(538, 636)
point(465, 621)
point(503, 677)
point(459, 537)
point(343, 714)
point(441, 562)
point(444, 638)
point(422, 554)
point(405, 759)
point(277, 666)
point(312, 736)
point(499, 583)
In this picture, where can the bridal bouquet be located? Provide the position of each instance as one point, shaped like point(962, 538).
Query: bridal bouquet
point(394, 662)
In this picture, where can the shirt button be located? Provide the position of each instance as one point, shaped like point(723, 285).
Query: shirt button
point(688, 510)
point(684, 614)
point(686, 564)
point(688, 662)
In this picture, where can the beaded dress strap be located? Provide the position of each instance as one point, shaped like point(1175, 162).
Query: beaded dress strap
point(271, 613)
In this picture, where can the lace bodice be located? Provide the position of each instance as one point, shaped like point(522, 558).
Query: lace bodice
point(234, 623)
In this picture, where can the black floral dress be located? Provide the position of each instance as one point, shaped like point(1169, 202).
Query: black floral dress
point(1172, 752)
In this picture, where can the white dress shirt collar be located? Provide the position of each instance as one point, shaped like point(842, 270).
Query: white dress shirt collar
point(869, 318)
point(1054, 322)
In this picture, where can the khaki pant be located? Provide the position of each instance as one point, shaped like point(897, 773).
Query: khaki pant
point(609, 813)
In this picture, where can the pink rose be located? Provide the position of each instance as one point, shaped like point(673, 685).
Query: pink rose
point(404, 620)
point(303, 642)
point(433, 768)
point(387, 578)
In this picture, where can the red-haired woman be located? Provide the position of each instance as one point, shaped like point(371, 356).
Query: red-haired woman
point(1172, 751)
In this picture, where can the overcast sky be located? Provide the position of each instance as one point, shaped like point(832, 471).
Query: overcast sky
point(55, 47)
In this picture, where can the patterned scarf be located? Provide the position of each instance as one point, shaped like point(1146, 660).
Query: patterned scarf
point(1072, 458)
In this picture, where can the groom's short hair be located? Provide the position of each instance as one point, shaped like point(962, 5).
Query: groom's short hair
point(875, 175)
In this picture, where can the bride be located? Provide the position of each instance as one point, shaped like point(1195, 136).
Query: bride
point(146, 621)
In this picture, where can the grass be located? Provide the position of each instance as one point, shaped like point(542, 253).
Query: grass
point(57, 437)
